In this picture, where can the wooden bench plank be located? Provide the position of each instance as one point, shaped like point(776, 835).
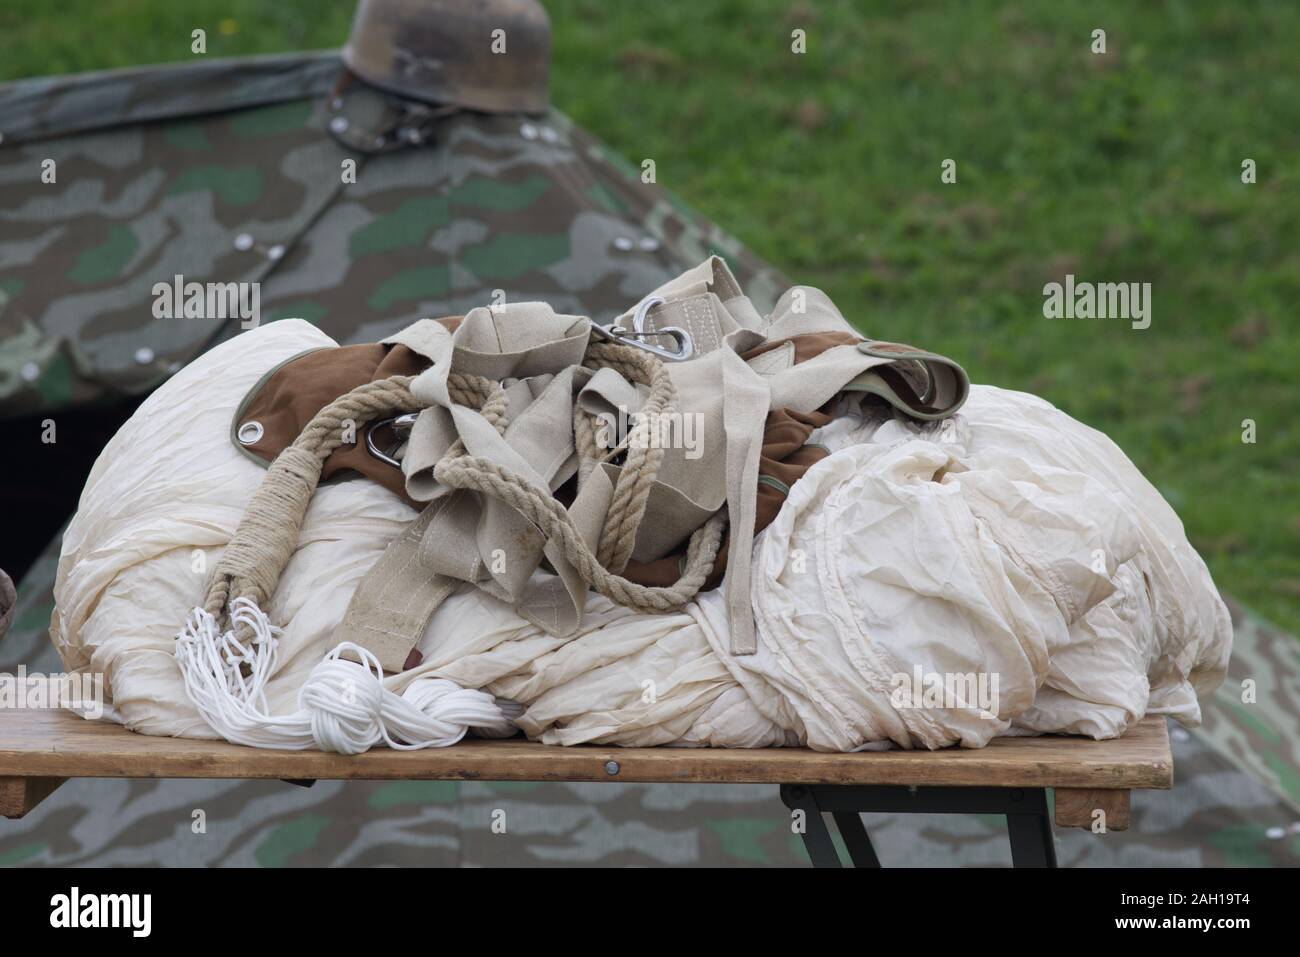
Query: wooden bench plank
point(59, 744)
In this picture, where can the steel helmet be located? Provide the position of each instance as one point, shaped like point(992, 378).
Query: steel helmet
point(450, 52)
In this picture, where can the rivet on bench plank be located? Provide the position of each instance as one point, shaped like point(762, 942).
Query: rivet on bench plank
point(611, 767)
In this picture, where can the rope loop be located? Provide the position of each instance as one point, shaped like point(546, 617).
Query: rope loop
point(267, 535)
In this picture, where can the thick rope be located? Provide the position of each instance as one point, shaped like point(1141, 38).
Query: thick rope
point(627, 508)
point(632, 490)
point(486, 476)
point(268, 533)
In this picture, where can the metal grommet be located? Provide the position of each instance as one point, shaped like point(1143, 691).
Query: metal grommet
point(550, 135)
point(275, 252)
point(624, 243)
point(648, 243)
point(250, 432)
point(30, 372)
point(144, 355)
point(243, 242)
point(339, 124)
point(611, 767)
point(1275, 833)
point(528, 131)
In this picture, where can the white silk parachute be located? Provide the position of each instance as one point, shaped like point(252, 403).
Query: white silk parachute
point(908, 568)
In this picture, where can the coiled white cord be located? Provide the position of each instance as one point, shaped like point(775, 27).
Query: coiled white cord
point(343, 705)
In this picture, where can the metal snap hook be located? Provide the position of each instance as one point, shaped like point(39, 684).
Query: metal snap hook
point(685, 346)
point(401, 426)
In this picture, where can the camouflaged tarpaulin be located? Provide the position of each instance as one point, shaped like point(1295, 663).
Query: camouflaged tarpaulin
point(1254, 718)
point(246, 190)
point(48, 107)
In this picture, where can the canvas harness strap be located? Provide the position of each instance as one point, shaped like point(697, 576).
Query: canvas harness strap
point(397, 593)
point(511, 408)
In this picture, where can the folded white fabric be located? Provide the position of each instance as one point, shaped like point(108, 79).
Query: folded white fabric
point(1010, 541)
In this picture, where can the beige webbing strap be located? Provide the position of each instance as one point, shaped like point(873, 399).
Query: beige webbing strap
point(392, 606)
point(745, 403)
point(388, 616)
point(937, 392)
point(391, 609)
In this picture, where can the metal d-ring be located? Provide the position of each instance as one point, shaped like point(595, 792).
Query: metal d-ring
point(401, 425)
point(632, 337)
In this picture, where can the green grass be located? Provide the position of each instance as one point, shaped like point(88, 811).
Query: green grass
point(1122, 167)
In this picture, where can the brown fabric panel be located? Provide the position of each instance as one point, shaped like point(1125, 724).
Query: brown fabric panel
point(807, 346)
point(791, 469)
point(399, 360)
point(302, 387)
point(299, 389)
point(786, 431)
point(785, 458)
point(905, 388)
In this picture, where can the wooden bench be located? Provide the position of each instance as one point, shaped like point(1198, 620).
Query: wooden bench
point(1092, 780)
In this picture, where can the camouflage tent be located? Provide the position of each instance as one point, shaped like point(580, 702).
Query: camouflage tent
point(242, 172)
point(235, 172)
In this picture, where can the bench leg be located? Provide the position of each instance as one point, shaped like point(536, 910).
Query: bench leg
point(856, 839)
point(1031, 841)
point(816, 836)
point(1029, 824)
point(20, 795)
point(1030, 831)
